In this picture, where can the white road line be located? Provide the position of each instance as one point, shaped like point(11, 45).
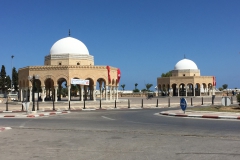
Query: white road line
point(22, 125)
point(108, 118)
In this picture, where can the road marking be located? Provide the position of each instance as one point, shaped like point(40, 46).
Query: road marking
point(23, 124)
point(108, 118)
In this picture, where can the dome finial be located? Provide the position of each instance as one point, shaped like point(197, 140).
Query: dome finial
point(69, 33)
point(184, 56)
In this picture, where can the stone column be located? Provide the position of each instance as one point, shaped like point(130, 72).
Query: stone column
point(56, 88)
point(186, 90)
point(43, 94)
point(177, 91)
point(69, 92)
point(21, 95)
point(25, 91)
point(106, 92)
point(110, 93)
point(30, 94)
point(94, 93)
point(82, 87)
point(170, 91)
point(195, 91)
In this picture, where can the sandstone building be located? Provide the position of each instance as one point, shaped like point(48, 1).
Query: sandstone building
point(68, 59)
point(186, 81)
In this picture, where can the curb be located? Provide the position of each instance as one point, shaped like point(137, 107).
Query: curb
point(199, 116)
point(34, 115)
point(4, 128)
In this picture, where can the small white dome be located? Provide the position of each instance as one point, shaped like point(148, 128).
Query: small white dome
point(185, 64)
point(69, 45)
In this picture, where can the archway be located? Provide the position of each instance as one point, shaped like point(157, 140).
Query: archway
point(49, 86)
point(62, 88)
point(174, 88)
point(190, 89)
point(182, 89)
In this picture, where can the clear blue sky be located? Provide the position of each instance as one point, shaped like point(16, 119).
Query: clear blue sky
point(144, 38)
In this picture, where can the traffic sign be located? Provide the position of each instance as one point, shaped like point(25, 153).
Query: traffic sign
point(226, 101)
point(183, 104)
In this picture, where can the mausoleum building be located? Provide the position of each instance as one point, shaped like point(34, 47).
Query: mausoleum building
point(185, 80)
point(68, 60)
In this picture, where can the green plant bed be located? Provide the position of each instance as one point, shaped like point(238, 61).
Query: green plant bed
point(217, 108)
point(238, 98)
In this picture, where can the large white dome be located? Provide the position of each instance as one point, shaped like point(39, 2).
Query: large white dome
point(185, 64)
point(69, 45)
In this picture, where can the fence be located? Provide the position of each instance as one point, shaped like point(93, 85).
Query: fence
point(114, 104)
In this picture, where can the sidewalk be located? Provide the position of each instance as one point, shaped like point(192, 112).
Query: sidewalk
point(202, 114)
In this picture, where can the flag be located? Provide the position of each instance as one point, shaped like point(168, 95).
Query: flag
point(109, 76)
point(118, 75)
point(214, 81)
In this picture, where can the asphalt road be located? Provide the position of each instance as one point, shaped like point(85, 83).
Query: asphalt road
point(119, 134)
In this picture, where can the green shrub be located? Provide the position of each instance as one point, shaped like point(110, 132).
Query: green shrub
point(238, 98)
point(136, 90)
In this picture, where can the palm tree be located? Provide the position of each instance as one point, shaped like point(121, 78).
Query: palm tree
point(148, 86)
point(224, 86)
point(136, 86)
point(123, 86)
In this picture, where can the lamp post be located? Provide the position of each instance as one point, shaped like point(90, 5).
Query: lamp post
point(12, 74)
point(32, 79)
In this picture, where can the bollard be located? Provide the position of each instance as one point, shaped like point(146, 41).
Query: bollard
point(142, 103)
point(100, 107)
point(115, 104)
point(157, 103)
point(84, 104)
point(7, 104)
point(37, 105)
point(191, 101)
point(213, 96)
point(168, 102)
point(128, 103)
point(69, 105)
point(225, 101)
point(202, 100)
point(22, 105)
point(231, 100)
point(53, 106)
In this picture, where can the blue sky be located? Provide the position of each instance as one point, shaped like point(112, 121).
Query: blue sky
point(144, 38)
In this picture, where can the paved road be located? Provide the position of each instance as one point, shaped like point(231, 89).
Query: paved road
point(119, 134)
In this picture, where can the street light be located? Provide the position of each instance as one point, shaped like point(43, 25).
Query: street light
point(12, 74)
point(32, 79)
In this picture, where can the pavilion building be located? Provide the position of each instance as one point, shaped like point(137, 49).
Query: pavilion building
point(68, 59)
point(185, 80)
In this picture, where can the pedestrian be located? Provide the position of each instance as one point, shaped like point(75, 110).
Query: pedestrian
point(233, 92)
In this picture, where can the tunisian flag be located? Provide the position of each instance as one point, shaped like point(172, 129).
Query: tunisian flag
point(109, 76)
point(118, 75)
point(214, 81)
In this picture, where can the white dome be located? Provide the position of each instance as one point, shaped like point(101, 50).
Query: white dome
point(69, 45)
point(185, 64)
